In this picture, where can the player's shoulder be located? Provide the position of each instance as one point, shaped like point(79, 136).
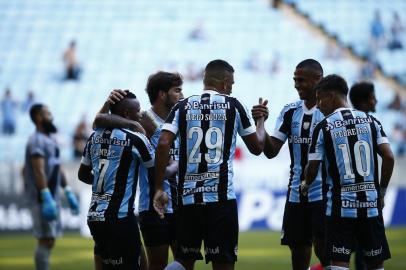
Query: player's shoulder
point(292, 106)
point(37, 138)
point(134, 134)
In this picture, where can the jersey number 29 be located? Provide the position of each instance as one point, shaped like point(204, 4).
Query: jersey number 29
point(213, 140)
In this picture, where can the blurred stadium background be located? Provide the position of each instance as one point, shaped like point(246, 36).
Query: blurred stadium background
point(119, 43)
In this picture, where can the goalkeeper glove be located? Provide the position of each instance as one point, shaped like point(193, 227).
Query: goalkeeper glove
point(49, 209)
point(72, 200)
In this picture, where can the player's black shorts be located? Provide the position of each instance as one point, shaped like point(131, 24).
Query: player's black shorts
point(117, 243)
point(369, 233)
point(156, 231)
point(302, 223)
point(216, 224)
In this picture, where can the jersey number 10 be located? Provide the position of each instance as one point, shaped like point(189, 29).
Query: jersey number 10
point(362, 155)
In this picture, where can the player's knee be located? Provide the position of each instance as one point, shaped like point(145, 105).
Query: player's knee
point(179, 265)
point(334, 267)
point(375, 266)
point(47, 242)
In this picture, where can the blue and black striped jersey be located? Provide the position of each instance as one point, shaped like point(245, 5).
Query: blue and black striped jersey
point(296, 124)
point(115, 156)
point(207, 127)
point(147, 187)
point(347, 140)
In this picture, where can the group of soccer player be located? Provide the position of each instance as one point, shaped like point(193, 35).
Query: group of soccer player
point(180, 153)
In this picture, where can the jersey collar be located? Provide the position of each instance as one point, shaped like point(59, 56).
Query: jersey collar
point(210, 91)
point(307, 110)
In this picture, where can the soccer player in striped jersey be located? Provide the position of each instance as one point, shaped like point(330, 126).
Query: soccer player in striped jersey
point(349, 142)
point(303, 217)
point(362, 97)
point(207, 127)
point(115, 157)
point(164, 90)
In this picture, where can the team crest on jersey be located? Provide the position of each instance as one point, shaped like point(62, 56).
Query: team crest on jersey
point(306, 125)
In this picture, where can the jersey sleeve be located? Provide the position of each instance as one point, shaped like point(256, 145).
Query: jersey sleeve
point(143, 150)
point(86, 159)
point(172, 122)
point(245, 123)
point(36, 147)
point(381, 137)
point(316, 150)
point(282, 126)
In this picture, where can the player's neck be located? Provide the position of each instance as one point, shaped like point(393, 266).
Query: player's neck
point(310, 103)
point(42, 130)
point(161, 110)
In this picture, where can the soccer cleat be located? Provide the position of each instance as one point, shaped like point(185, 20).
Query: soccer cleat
point(49, 209)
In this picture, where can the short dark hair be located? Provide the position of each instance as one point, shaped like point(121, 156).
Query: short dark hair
point(312, 65)
point(217, 69)
point(360, 92)
point(121, 105)
point(333, 83)
point(34, 110)
point(162, 81)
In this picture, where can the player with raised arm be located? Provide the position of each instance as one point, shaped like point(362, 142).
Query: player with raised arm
point(207, 127)
point(164, 90)
point(43, 176)
point(115, 156)
point(303, 224)
point(349, 141)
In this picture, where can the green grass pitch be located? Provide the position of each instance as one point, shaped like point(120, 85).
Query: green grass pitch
point(257, 250)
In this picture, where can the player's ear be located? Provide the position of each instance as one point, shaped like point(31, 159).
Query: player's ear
point(162, 94)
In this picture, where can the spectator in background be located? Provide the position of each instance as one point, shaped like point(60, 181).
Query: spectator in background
point(396, 104)
point(252, 62)
point(367, 71)
point(72, 69)
point(198, 32)
point(377, 32)
point(396, 30)
point(8, 109)
point(28, 102)
point(80, 136)
point(333, 51)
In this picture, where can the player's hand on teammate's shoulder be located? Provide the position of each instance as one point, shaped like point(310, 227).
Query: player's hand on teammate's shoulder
point(160, 202)
point(260, 110)
point(116, 95)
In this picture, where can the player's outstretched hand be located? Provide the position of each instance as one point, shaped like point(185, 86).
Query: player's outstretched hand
point(49, 209)
point(72, 200)
point(304, 188)
point(260, 110)
point(160, 202)
point(116, 95)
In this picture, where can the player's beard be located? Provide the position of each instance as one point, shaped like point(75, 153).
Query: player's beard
point(49, 127)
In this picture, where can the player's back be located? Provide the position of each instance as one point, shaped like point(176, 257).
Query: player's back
point(351, 141)
point(115, 156)
point(207, 126)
